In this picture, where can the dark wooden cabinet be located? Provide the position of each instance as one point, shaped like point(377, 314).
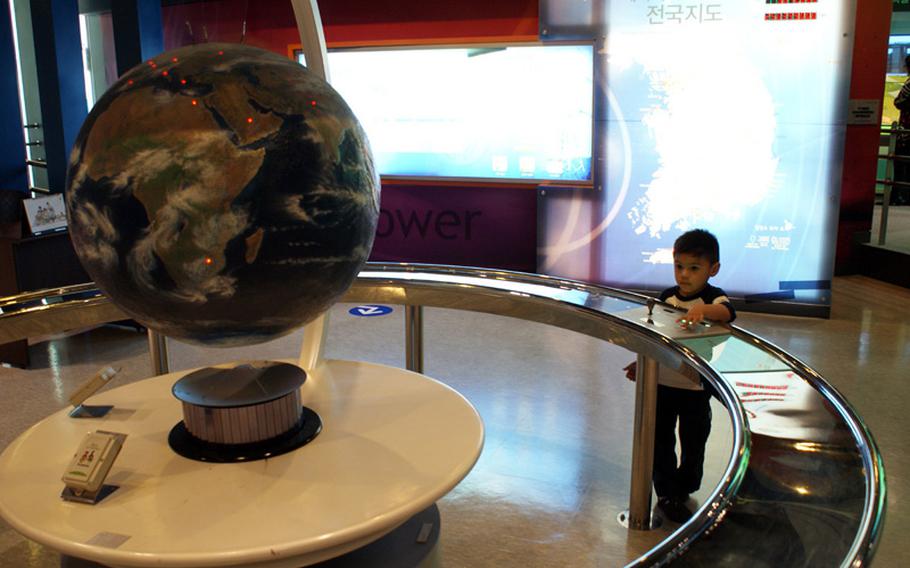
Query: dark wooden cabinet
point(34, 263)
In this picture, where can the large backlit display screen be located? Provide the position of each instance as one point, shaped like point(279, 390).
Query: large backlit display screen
point(722, 114)
point(518, 112)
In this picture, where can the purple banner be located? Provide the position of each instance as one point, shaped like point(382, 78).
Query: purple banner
point(492, 227)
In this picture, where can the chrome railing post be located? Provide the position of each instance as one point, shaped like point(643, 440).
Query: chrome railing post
point(158, 352)
point(889, 180)
point(413, 336)
point(643, 444)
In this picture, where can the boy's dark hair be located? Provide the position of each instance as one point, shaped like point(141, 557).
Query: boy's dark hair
point(700, 243)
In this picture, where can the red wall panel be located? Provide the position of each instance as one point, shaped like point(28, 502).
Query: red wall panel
point(271, 25)
point(870, 45)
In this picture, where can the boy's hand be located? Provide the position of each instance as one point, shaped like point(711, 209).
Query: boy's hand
point(695, 315)
point(631, 369)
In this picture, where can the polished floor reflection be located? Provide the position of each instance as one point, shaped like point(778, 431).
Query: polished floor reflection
point(555, 470)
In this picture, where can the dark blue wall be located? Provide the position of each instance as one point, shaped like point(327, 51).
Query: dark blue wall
point(58, 56)
point(137, 32)
point(12, 137)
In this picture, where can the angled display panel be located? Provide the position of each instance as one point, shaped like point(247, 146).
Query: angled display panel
point(480, 112)
point(723, 115)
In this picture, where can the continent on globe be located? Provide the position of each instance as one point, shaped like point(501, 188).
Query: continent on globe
point(222, 194)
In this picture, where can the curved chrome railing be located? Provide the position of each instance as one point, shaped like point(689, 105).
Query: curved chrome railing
point(578, 307)
point(867, 537)
point(596, 311)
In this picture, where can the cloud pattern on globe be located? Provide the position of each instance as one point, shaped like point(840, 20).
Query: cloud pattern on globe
point(222, 194)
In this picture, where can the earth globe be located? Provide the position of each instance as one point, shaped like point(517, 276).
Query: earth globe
point(222, 195)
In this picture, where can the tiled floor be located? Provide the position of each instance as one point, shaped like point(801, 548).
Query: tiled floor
point(555, 468)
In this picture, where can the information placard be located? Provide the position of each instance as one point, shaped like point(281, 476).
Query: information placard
point(46, 213)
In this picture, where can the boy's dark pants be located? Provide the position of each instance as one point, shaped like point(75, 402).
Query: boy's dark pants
point(693, 409)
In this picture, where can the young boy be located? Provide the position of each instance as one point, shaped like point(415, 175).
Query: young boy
point(696, 258)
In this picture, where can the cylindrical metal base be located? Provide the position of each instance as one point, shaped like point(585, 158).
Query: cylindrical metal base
point(189, 446)
point(654, 523)
point(248, 403)
point(247, 412)
point(244, 424)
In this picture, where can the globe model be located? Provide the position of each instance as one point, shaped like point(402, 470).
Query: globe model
point(222, 194)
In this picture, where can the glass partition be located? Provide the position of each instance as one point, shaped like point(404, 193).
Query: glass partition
point(729, 354)
point(777, 398)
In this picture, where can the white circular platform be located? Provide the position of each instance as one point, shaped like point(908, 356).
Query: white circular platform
point(393, 442)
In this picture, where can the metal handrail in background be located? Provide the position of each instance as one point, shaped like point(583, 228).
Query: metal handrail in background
point(889, 182)
point(576, 306)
